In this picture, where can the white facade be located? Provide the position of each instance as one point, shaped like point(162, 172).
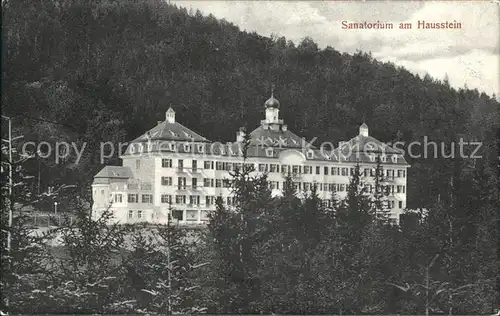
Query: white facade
point(171, 168)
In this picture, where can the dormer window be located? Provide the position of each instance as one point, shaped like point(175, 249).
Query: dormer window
point(187, 148)
point(201, 148)
point(172, 146)
point(310, 154)
point(269, 152)
point(394, 158)
point(372, 158)
point(383, 158)
point(222, 152)
point(141, 148)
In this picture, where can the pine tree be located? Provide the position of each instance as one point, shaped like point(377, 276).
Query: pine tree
point(161, 271)
point(380, 208)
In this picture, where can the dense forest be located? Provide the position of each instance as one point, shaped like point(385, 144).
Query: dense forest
point(96, 71)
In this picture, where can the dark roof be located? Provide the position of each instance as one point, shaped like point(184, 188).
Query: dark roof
point(272, 103)
point(273, 138)
point(171, 131)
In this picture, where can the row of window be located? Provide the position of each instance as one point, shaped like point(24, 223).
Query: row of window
point(194, 199)
point(207, 182)
point(135, 214)
point(333, 187)
point(276, 168)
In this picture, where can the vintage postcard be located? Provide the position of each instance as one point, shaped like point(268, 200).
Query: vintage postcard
point(250, 157)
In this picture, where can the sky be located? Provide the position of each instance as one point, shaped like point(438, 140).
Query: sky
point(468, 56)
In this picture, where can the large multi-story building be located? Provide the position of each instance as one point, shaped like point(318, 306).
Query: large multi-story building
point(171, 169)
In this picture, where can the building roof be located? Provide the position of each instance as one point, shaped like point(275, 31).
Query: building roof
point(272, 102)
point(170, 131)
point(367, 144)
point(112, 172)
point(275, 138)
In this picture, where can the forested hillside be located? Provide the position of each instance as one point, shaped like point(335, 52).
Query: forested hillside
point(95, 71)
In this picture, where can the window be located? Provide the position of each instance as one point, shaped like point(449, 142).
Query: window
point(326, 171)
point(352, 171)
point(269, 152)
point(404, 173)
point(306, 186)
point(208, 164)
point(345, 171)
point(133, 198)
point(284, 168)
point(208, 182)
point(342, 187)
point(130, 214)
point(209, 200)
point(262, 167)
point(194, 183)
point(226, 183)
point(318, 170)
point(180, 164)
point(187, 148)
point(147, 198)
point(166, 163)
point(394, 158)
point(194, 165)
point(400, 204)
point(137, 164)
point(334, 171)
point(366, 171)
point(178, 215)
point(272, 168)
point(218, 165)
point(310, 154)
point(118, 198)
point(383, 158)
point(194, 199)
point(139, 214)
point(181, 183)
point(295, 169)
point(166, 198)
point(400, 173)
point(180, 199)
point(218, 183)
point(166, 180)
point(372, 157)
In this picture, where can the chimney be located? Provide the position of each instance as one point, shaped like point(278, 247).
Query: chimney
point(170, 115)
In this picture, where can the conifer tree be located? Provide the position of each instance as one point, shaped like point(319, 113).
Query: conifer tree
point(161, 271)
point(380, 208)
